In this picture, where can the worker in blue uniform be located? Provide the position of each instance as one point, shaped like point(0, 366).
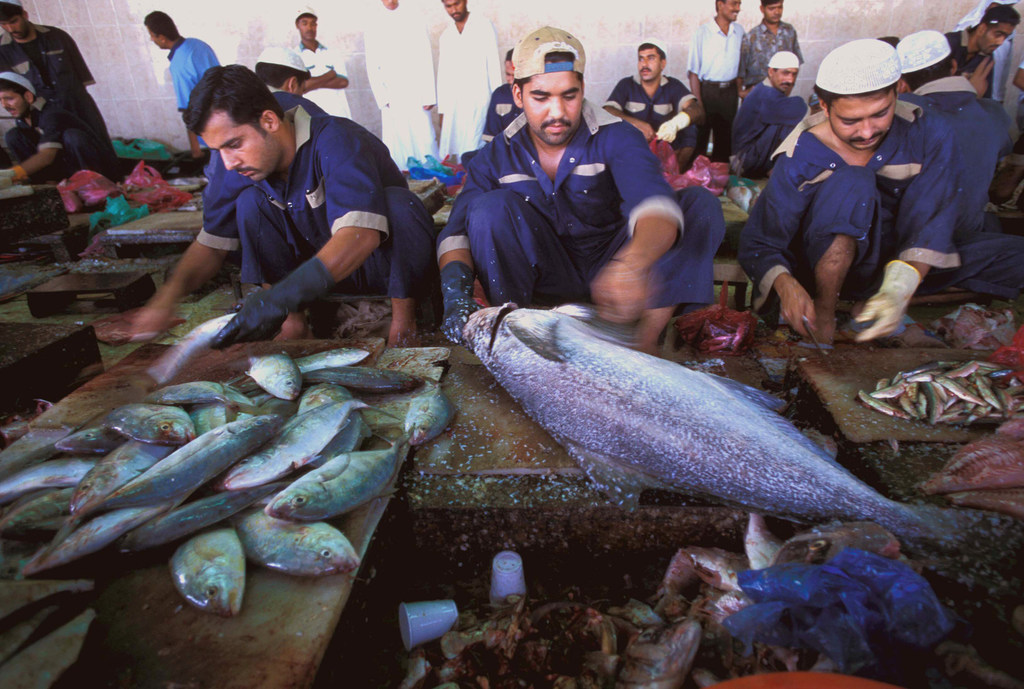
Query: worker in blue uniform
point(766, 117)
point(661, 107)
point(49, 143)
point(502, 110)
point(49, 58)
point(974, 48)
point(326, 210)
point(189, 58)
point(981, 127)
point(862, 205)
point(569, 203)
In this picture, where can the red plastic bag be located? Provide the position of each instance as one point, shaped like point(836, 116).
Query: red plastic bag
point(85, 188)
point(718, 328)
point(703, 173)
point(666, 156)
point(1012, 355)
point(145, 186)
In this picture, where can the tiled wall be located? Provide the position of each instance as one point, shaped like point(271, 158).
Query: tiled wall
point(134, 92)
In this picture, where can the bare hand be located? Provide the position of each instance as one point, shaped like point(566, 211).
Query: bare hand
point(150, 321)
point(796, 304)
point(979, 79)
point(645, 129)
point(620, 291)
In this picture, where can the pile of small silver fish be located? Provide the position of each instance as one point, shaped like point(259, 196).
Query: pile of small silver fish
point(948, 392)
point(230, 476)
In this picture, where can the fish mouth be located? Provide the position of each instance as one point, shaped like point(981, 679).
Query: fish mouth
point(505, 310)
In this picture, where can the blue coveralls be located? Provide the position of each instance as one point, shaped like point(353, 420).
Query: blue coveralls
point(669, 100)
point(223, 187)
point(902, 205)
point(765, 119)
point(501, 112)
point(63, 77)
point(981, 129)
point(50, 126)
point(531, 237)
point(190, 58)
point(958, 49)
point(341, 176)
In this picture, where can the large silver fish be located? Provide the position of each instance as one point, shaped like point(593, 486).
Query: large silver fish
point(343, 356)
point(310, 549)
point(634, 421)
point(180, 473)
point(196, 342)
point(151, 423)
point(277, 374)
point(113, 471)
point(209, 571)
point(55, 473)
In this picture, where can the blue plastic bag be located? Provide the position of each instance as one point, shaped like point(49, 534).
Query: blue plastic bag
point(860, 609)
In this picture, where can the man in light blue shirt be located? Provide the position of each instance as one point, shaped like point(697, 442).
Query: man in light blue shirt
point(714, 67)
point(189, 57)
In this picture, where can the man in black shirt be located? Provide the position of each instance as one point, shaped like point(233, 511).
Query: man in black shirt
point(49, 142)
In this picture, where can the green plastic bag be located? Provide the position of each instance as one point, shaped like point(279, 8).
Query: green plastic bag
point(141, 149)
point(117, 212)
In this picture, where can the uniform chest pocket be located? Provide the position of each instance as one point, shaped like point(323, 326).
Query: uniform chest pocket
point(663, 108)
point(593, 194)
point(503, 109)
point(633, 106)
point(316, 198)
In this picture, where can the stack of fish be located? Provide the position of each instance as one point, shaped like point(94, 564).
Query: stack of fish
point(949, 392)
point(206, 463)
point(988, 473)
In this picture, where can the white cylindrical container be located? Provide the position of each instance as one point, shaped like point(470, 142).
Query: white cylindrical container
point(425, 620)
point(507, 576)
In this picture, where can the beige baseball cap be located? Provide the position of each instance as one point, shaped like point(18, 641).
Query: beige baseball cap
point(528, 55)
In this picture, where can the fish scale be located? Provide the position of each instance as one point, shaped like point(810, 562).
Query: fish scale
point(635, 421)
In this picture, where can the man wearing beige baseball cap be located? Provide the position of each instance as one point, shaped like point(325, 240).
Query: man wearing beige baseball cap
point(863, 204)
point(569, 203)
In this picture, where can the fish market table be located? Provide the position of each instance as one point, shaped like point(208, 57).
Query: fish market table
point(145, 634)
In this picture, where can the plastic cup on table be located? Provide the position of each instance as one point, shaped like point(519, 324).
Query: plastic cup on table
point(507, 576)
point(425, 621)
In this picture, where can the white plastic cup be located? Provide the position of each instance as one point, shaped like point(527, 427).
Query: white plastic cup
point(507, 576)
point(425, 621)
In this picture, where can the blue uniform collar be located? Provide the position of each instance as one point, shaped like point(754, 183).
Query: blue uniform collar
point(957, 84)
point(7, 39)
point(301, 120)
point(904, 111)
point(636, 79)
point(174, 48)
point(593, 119)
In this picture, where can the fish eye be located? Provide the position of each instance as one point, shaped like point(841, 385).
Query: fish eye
point(300, 500)
point(819, 544)
point(165, 427)
point(325, 553)
point(212, 591)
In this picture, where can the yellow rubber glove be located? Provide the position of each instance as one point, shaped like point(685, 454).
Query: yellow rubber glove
point(887, 306)
point(669, 128)
point(19, 174)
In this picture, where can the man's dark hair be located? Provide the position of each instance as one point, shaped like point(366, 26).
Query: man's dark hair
point(235, 90)
point(1001, 14)
point(920, 77)
point(651, 46)
point(828, 98)
point(305, 14)
point(11, 86)
point(508, 55)
point(564, 56)
point(9, 11)
point(274, 76)
point(161, 25)
point(765, 3)
point(891, 40)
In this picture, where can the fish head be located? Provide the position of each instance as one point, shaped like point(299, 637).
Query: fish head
point(175, 431)
point(823, 543)
point(294, 501)
point(218, 591)
point(482, 328)
point(332, 553)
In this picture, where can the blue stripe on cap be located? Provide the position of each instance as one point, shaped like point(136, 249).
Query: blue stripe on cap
point(558, 67)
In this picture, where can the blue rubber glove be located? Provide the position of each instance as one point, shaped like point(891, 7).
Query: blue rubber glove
point(263, 313)
point(457, 292)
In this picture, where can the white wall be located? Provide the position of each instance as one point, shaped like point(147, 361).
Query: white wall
point(134, 92)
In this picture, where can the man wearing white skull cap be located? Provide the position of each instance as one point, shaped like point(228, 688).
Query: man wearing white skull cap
point(981, 127)
point(766, 117)
point(861, 205)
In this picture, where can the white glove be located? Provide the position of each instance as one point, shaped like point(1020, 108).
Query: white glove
point(887, 306)
point(669, 128)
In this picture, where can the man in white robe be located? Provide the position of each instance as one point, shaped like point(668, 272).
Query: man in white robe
point(400, 67)
point(469, 69)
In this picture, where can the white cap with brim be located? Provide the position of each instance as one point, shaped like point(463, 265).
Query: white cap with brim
point(276, 55)
point(922, 49)
point(528, 55)
point(784, 60)
point(657, 43)
point(860, 66)
point(21, 81)
point(305, 9)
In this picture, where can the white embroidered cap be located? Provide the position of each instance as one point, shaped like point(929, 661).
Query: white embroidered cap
point(276, 55)
point(657, 43)
point(859, 66)
point(922, 49)
point(784, 60)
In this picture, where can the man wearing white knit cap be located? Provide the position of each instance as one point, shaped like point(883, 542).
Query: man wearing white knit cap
point(981, 127)
point(766, 117)
point(861, 205)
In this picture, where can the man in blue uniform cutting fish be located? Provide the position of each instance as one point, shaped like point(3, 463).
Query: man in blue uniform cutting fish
point(326, 209)
point(863, 204)
point(569, 203)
